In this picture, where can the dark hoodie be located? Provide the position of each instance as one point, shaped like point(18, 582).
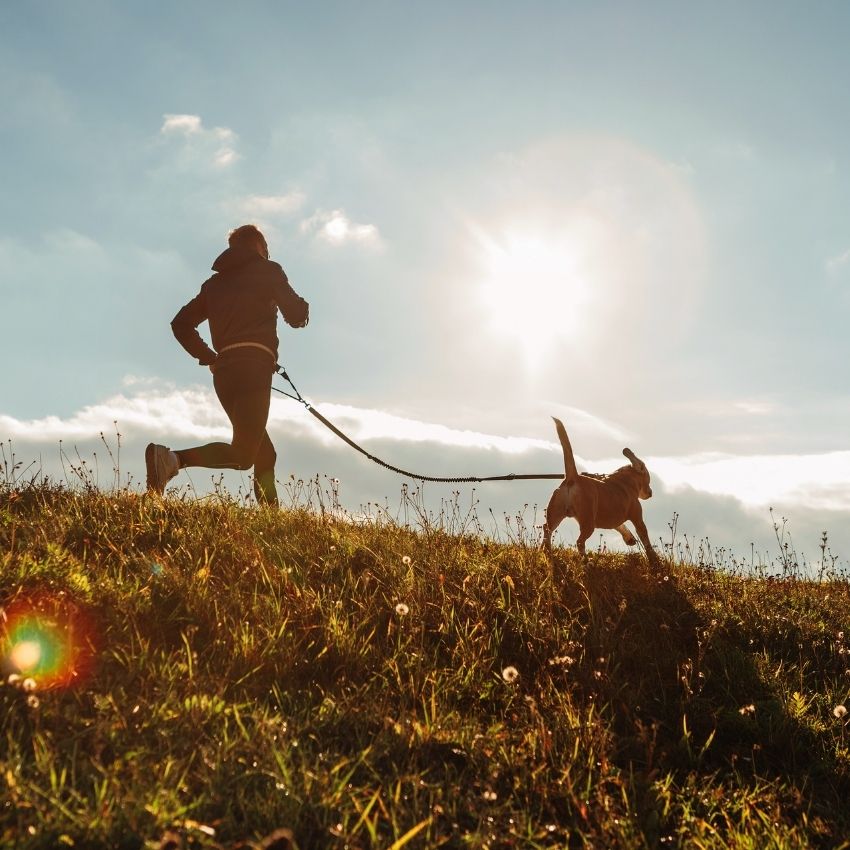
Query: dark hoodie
point(240, 302)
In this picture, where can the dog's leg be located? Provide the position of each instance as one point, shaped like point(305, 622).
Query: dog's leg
point(627, 534)
point(555, 513)
point(643, 534)
point(583, 534)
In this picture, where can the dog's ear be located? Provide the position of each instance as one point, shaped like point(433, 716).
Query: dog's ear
point(636, 462)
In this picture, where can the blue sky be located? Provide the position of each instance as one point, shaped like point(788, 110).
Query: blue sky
point(634, 216)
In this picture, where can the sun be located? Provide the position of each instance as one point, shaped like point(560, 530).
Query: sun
point(533, 289)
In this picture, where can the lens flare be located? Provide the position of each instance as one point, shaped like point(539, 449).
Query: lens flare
point(49, 639)
point(25, 655)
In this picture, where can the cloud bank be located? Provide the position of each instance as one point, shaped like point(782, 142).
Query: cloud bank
point(715, 495)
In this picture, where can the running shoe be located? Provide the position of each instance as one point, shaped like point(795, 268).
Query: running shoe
point(162, 465)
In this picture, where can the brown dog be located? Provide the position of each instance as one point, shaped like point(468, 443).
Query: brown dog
point(599, 501)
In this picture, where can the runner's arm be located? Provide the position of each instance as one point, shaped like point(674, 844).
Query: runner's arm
point(185, 328)
point(295, 310)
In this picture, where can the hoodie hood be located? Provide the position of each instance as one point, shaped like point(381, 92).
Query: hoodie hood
point(234, 258)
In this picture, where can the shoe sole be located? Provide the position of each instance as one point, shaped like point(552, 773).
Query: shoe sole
point(153, 480)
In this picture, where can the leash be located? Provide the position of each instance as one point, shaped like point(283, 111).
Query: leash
point(468, 479)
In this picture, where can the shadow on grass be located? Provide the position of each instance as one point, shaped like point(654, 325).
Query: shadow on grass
point(699, 704)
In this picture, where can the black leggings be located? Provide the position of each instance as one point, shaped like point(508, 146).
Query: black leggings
point(242, 383)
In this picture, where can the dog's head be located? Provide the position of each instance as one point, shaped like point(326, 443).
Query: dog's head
point(641, 473)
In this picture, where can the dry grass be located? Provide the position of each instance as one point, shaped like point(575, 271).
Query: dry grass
point(240, 670)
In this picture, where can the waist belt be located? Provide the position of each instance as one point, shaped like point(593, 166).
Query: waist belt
point(250, 345)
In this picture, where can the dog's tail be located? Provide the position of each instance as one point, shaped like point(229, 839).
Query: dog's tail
point(570, 471)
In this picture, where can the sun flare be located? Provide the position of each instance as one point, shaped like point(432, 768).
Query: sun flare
point(533, 289)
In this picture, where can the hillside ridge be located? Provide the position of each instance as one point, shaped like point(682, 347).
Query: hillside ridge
point(215, 672)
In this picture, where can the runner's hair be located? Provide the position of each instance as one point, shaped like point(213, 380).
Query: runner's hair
point(246, 234)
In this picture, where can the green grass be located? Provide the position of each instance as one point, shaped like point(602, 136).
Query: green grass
point(240, 670)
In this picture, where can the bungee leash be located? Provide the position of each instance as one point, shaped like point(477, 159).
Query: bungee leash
point(467, 479)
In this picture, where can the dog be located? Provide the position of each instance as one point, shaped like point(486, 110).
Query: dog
point(599, 501)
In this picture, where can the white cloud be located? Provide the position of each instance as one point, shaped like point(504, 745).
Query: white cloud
point(755, 407)
point(835, 265)
point(160, 411)
point(184, 124)
point(336, 228)
point(812, 480)
point(216, 146)
point(225, 156)
point(365, 424)
point(186, 413)
point(163, 410)
point(272, 205)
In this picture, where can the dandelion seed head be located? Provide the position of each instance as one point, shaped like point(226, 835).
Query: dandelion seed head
point(28, 685)
point(402, 610)
point(32, 701)
point(405, 560)
point(510, 674)
point(840, 711)
point(744, 710)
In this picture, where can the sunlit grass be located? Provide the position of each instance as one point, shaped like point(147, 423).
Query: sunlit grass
point(229, 671)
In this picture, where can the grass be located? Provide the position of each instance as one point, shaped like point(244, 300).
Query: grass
point(204, 673)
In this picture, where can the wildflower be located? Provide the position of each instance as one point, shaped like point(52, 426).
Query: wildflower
point(406, 560)
point(840, 711)
point(510, 674)
point(32, 701)
point(14, 679)
point(744, 710)
point(490, 796)
point(28, 685)
point(402, 610)
point(561, 660)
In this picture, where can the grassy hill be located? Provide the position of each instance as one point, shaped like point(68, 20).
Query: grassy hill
point(201, 674)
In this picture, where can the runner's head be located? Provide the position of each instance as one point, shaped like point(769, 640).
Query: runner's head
point(248, 236)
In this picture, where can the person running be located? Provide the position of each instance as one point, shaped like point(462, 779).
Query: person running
point(240, 302)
